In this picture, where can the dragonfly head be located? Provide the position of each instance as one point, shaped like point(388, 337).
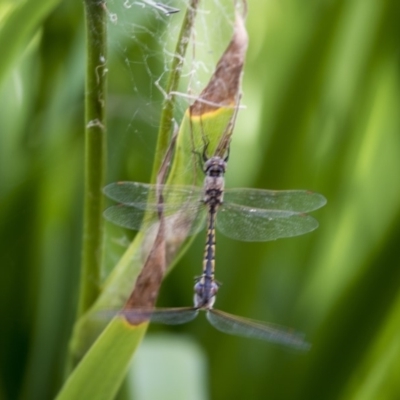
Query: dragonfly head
point(204, 293)
point(215, 166)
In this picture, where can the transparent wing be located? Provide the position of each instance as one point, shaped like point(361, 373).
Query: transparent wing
point(257, 225)
point(185, 222)
point(288, 200)
point(169, 316)
point(239, 326)
point(183, 209)
point(144, 196)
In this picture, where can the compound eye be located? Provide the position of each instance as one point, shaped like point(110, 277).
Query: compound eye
point(199, 294)
point(214, 288)
point(199, 288)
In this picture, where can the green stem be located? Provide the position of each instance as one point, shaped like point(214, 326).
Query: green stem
point(166, 120)
point(95, 152)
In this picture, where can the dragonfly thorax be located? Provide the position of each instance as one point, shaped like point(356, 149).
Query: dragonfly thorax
point(214, 182)
point(205, 290)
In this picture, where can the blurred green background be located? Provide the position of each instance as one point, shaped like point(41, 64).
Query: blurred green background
point(321, 89)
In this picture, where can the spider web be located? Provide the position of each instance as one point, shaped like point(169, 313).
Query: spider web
point(142, 40)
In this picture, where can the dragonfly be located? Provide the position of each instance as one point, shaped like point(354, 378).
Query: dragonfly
point(243, 214)
point(205, 291)
point(251, 215)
